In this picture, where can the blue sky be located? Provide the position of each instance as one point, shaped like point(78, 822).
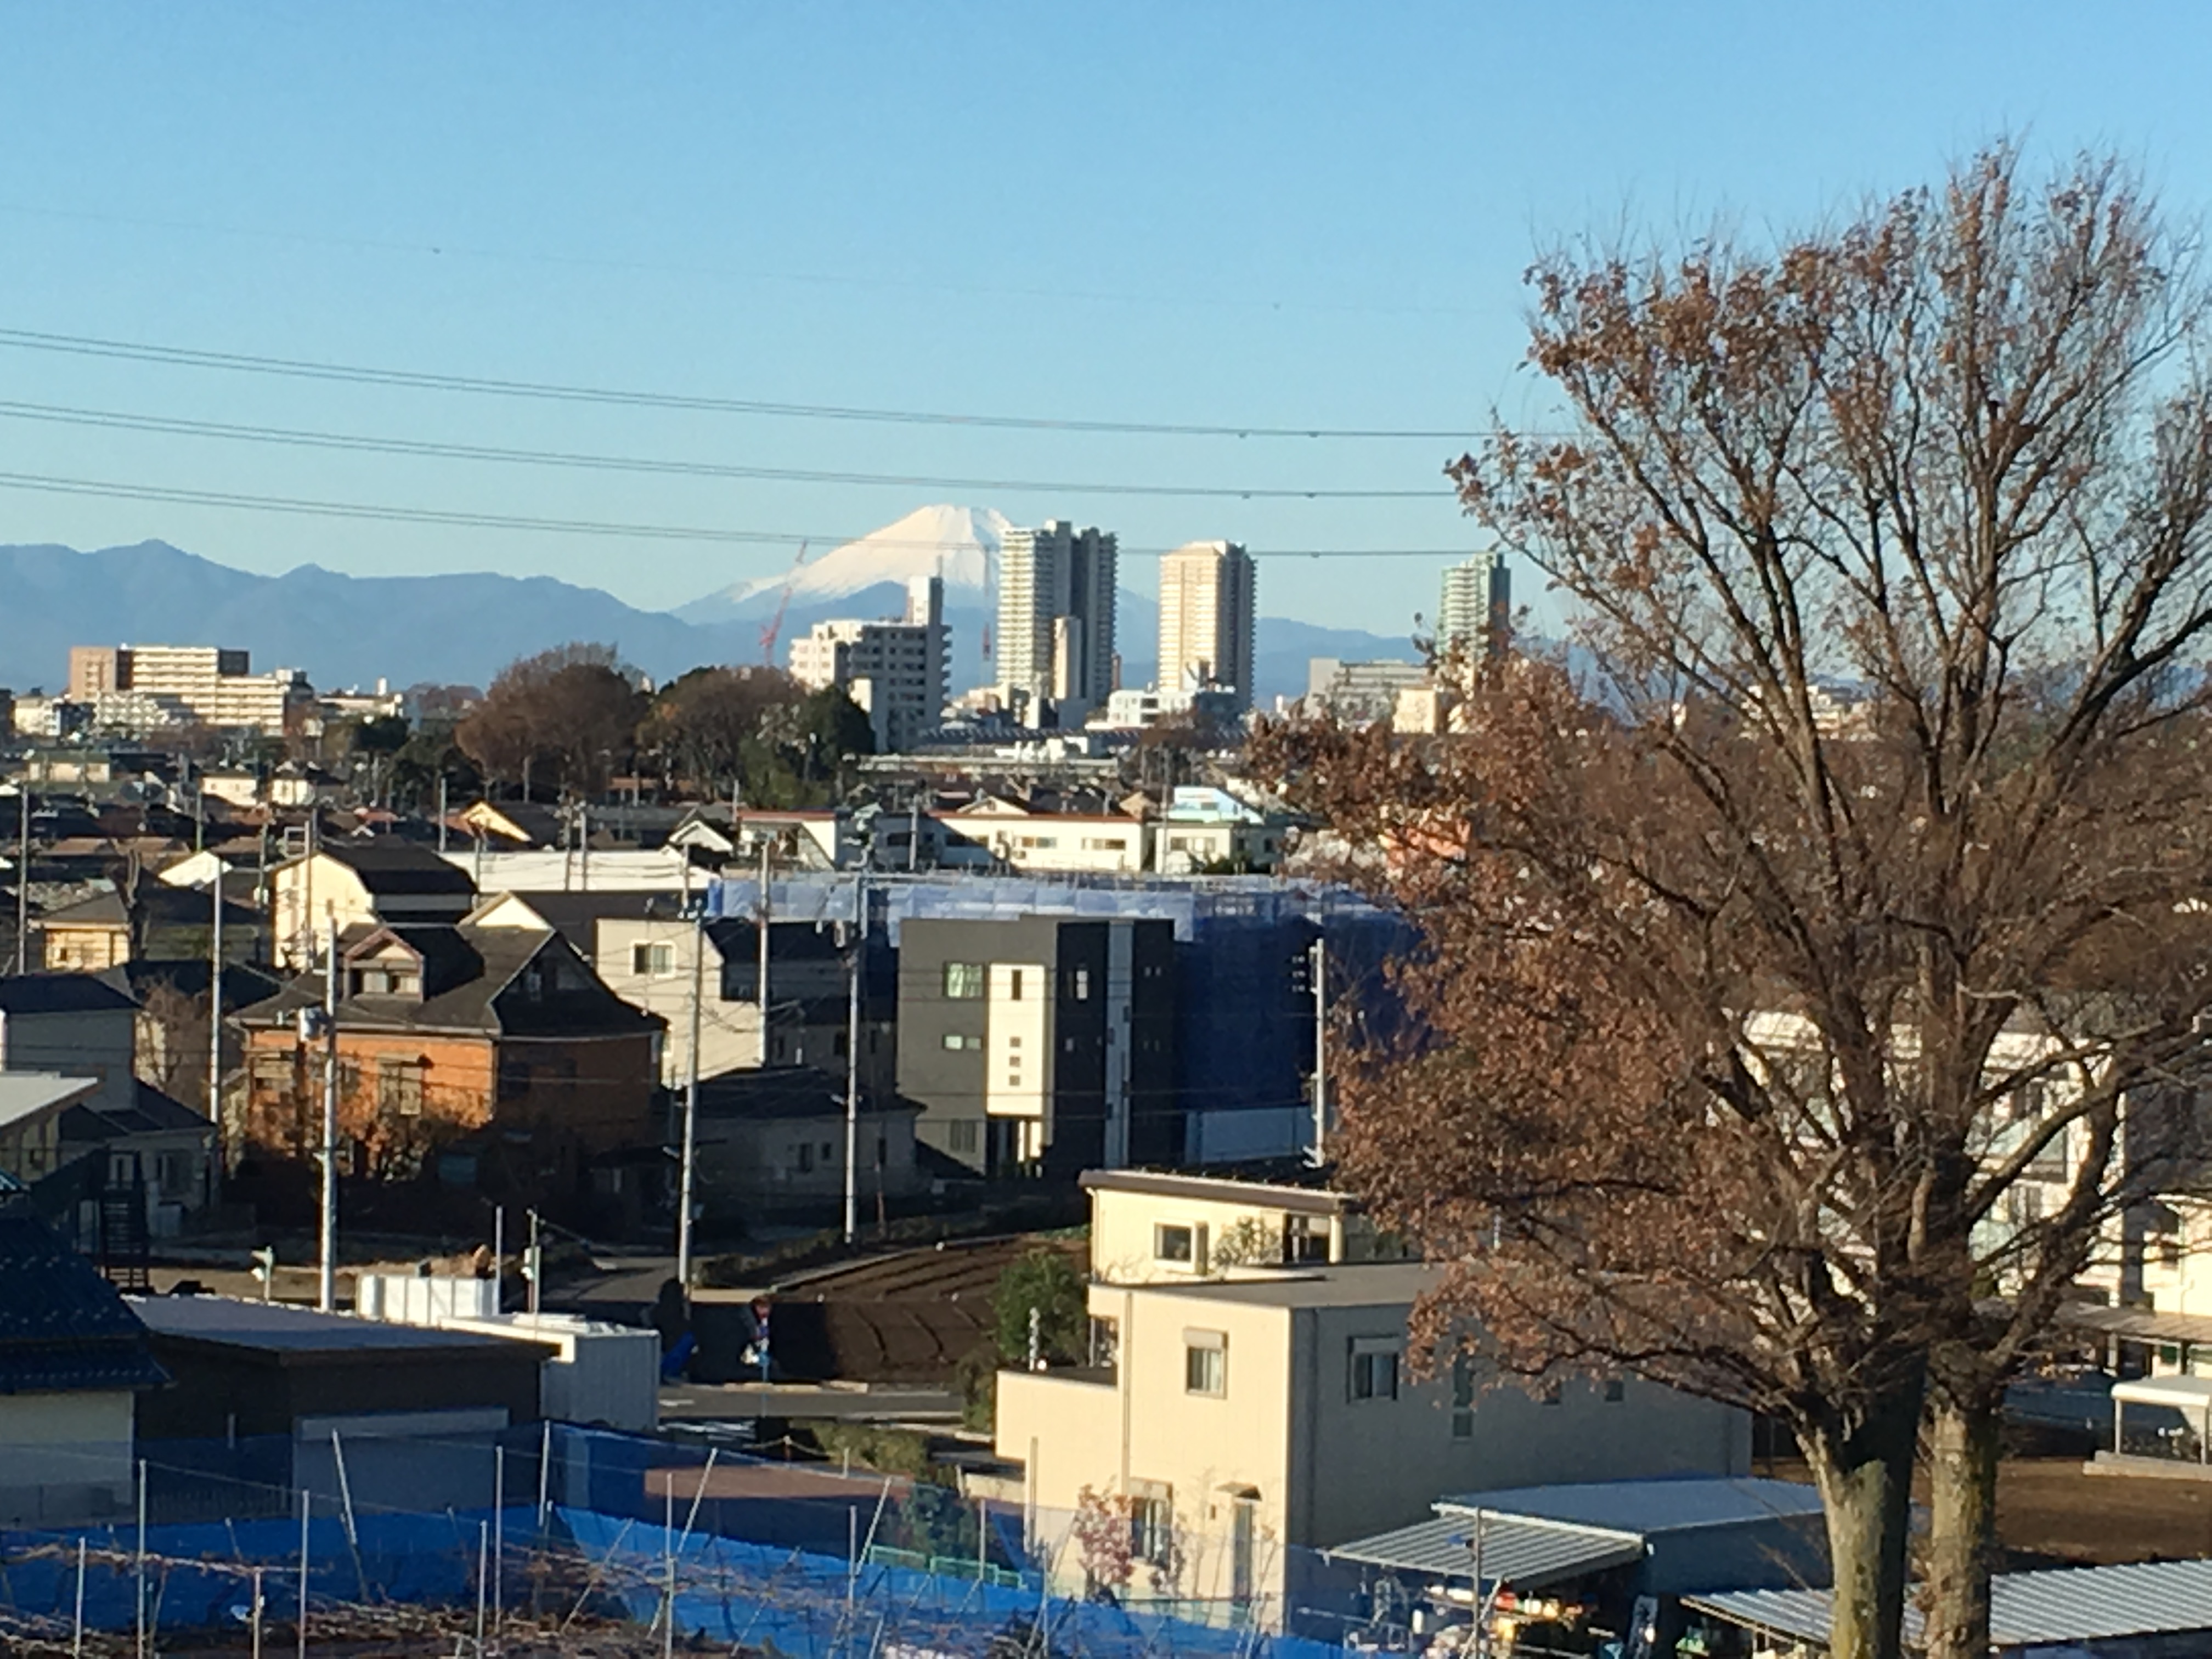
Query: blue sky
point(1287, 214)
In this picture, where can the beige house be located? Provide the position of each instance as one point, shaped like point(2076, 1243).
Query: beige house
point(1240, 1421)
point(1151, 1228)
point(1100, 843)
point(360, 884)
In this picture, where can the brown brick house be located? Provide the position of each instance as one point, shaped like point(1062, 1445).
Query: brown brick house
point(452, 1035)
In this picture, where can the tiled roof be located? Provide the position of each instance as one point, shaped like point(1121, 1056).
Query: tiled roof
point(63, 1328)
point(60, 994)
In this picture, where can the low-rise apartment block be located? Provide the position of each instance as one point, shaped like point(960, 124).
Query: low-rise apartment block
point(1238, 1420)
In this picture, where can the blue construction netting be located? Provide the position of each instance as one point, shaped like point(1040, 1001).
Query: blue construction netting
point(791, 1559)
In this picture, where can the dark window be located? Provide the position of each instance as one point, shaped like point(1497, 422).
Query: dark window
point(964, 980)
point(1374, 1372)
point(514, 1078)
point(1462, 1417)
point(960, 1134)
point(1172, 1243)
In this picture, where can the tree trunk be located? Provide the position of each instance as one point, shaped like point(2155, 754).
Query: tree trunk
point(1865, 1476)
point(1962, 1546)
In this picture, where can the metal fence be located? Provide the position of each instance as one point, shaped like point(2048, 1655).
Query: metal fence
point(471, 1543)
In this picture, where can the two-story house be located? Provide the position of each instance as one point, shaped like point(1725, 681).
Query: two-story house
point(360, 884)
point(446, 1032)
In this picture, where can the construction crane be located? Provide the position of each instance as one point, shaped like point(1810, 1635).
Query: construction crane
point(773, 631)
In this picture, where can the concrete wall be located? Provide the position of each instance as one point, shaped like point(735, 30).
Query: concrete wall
point(1369, 1465)
point(64, 1456)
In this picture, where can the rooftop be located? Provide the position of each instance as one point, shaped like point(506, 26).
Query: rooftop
point(27, 1095)
point(277, 1328)
point(1357, 1284)
point(60, 994)
point(1647, 1507)
point(1225, 1189)
point(2026, 1609)
point(62, 1326)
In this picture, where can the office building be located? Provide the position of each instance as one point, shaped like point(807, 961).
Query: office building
point(1475, 614)
point(146, 685)
point(894, 671)
point(1055, 644)
point(1207, 619)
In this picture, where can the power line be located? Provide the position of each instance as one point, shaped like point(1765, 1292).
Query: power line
point(241, 363)
point(107, 490)
point(119, 421)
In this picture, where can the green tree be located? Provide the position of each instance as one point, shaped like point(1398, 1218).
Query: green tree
point(1047, 1279)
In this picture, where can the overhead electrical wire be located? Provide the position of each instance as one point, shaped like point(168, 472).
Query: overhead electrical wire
point(114, 420)
point(242, 362)
point(108, 490)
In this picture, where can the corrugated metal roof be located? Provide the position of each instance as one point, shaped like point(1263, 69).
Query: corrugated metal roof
point(1665, 1504)
point(2026, 1609)
point(1516, 1550)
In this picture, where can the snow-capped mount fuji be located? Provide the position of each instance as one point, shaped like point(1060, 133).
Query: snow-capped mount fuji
point(960, 544)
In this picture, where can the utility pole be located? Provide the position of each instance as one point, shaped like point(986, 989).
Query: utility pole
point(441, 811)
point(763, 908)
point(853, 1063)
point(535, 1265)
point(215, 1007)
point(23, 878)
point(683, 1185)
point(1320, 954)
point(584, 845)
point(327, 1295)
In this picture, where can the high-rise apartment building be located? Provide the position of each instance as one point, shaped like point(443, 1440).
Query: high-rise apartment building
point(896, 670)
point(1476, 611)
point(1207, 619)
point(204, 683)
point(1056, 619)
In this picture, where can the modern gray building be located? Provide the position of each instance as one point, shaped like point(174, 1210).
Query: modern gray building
point(1475, 612)
point(1041, 1044)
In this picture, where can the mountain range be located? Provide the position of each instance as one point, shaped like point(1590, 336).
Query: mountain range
point(461, 628)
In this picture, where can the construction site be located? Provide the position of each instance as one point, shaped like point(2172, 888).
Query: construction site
point(564, 1540)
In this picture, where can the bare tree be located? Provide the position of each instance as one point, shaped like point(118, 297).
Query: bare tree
point(1868, 812)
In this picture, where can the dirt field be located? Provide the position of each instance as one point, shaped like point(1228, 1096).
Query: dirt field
point(2050, 1514)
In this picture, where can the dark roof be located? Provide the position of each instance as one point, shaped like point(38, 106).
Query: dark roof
point(275, 1328)
point(488, 1002)
point(160, 904)
point(576, 916)
point(785, 1091)
point(150, 1112)
point(449, 960)
point(387, 866)
point(62, 1326)
point(61, 993)
point(243, 984)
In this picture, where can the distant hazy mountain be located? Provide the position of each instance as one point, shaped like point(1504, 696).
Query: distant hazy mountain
point(343, 630)
point(351, 630)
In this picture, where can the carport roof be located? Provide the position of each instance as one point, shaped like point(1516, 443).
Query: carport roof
point(1516, 1550)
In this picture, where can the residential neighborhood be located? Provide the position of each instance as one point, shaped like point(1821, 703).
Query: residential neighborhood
point(1116, 833)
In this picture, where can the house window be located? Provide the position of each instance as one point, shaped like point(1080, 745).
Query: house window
point(1616, 1390)
point(1463, 1414)
point(1151, 1526)
point(803, 1157)
point(172, 1174)
point(1082, 986)
point(1206, 1362)
point(1374, 1368)
point(956, 1040)
point(964, 980)
point(1014, 985)
point(1305, 1240)
point(1171, 1243)
point(400, 1087)
point(960, 1134)
point(514, 1078)
point(654, 960)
